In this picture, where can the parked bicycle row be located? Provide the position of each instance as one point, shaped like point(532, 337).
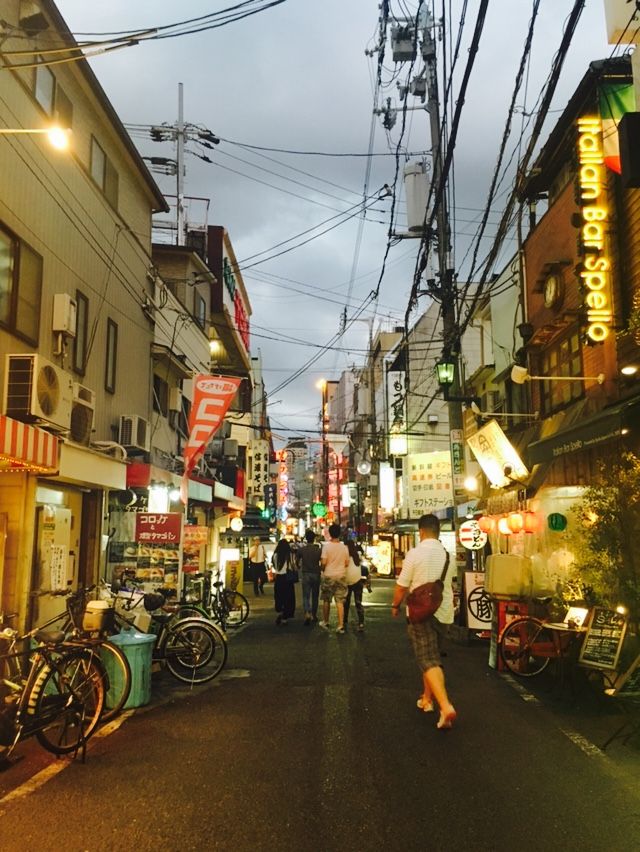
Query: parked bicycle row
point(61, 679)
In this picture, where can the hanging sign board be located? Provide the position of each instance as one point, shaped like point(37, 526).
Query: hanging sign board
point(471, 536)
point(603, 642)
point(479, 605)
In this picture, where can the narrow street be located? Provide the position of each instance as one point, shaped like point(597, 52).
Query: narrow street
point(313, 741)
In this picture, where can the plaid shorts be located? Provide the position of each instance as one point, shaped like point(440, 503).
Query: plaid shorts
point(330, 589)
point(425, 640)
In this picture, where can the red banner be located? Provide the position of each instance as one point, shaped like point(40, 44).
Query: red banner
point(212, 396)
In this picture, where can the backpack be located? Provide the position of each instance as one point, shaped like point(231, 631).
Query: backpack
point(424, 601)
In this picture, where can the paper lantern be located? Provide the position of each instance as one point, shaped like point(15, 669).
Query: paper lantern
point(530, 522)
point(503, 527)
point(486, 523)
point(557, 522)
point(515, 522)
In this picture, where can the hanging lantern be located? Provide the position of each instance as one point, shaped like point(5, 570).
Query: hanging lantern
point(530, 522)
point(503, 526)
point(557, 522)
point(487, 524)
point(515, 522)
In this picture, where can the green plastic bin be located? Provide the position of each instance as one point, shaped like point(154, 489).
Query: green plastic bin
point(138, 649)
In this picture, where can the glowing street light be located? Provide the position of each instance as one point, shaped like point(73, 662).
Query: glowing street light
point(58, 137)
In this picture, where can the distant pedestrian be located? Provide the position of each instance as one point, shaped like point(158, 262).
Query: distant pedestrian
point(424, 564)
point(258, 565)
point(309, 564)
point(283, 567)
point(355, 585)
point(333, 585)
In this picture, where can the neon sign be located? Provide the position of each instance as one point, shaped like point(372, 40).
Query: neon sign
point(594, 271)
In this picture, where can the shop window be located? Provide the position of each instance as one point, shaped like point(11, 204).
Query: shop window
point(563, 359)
point(44, 87)
point(20, 287)
point(112, 356)
point(200, 310)
point(160, 396)
point(103, 172)
point(80, 340)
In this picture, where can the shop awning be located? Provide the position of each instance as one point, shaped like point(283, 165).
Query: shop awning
point(607, 425)
point(24, 447)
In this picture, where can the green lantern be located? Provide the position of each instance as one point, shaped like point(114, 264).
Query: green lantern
point(557, 522)
point(318, 510)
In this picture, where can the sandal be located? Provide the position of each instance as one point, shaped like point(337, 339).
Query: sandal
point(447, 719)
point(425, 706)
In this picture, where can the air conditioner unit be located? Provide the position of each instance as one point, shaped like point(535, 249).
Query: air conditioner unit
point(37, 390)
point(134, 433)
point(82, 410)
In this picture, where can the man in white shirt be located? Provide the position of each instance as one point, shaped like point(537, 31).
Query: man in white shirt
point(424, 564)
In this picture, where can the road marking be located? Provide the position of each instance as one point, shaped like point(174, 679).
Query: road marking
point(577, 739)
point(40, 778)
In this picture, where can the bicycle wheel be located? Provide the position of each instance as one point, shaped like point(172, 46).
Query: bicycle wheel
point(237, 608)
point(195, 651)
point(118, 685)
point(67, 699)
point(526, 647)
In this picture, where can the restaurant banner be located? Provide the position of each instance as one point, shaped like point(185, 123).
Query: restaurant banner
point(212, 396)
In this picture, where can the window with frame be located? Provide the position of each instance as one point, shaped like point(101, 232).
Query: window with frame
point(63, 109)
point(80, 340)
point(20, 287)
point(561, 359)
point(160, 395)
point(103, 172)
point(112, 357)
point(200, 310)
point(44, 87)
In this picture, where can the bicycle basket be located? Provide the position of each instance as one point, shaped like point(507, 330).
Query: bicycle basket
point(98, 615)
point(76, 605)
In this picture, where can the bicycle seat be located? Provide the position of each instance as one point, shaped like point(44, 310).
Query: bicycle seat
point(153, 601)
point(50, 637)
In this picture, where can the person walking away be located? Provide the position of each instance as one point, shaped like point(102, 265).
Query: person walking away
point(309, 563)
point(333, 584)
point(355, 585)
point(257, 566)
point(424, 564)
point(282, 565)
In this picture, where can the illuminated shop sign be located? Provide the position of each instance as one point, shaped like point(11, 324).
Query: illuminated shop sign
point(594, 221)
point(240, 316)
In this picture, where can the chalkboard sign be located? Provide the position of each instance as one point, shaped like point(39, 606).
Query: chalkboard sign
point(629, 682)
point(603, 640)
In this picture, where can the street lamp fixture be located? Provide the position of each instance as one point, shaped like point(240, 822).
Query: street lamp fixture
point(58, 137)
point(520, 375)
point(446, 374)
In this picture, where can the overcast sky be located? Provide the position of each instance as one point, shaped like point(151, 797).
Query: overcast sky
point(296, 77)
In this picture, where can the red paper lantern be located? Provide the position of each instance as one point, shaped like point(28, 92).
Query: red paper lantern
point(503, 527)
point(530, 522)
point(486, 523)
point(515, 522)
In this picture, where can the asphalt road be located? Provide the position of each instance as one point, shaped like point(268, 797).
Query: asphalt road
point(312, 741)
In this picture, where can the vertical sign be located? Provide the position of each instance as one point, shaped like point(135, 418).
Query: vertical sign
point(270, 501)
point(456, 437)
point(212, 396)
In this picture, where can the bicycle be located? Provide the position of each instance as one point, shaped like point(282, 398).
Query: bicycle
point(192, 648)
point(74, 624)
point(207, 598)
point(59, 701)
point(528, 644)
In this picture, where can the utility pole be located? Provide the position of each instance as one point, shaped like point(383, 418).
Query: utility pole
point(447, 290)
point(180, 137)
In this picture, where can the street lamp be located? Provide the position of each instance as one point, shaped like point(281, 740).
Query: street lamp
point(446, 375)
point(58, 137)
point(520, 375)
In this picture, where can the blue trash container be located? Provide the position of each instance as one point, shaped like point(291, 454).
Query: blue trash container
point(138, 649)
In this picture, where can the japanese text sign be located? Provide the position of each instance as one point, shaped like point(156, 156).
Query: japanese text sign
point(159, 527)
point(429, 482)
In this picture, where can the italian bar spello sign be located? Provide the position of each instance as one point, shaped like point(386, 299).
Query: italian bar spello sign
point(594, 271)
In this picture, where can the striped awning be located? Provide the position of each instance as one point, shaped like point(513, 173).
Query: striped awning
point(24, 447)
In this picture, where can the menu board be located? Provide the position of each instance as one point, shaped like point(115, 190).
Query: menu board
point(603, 640)
point(629, 683)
